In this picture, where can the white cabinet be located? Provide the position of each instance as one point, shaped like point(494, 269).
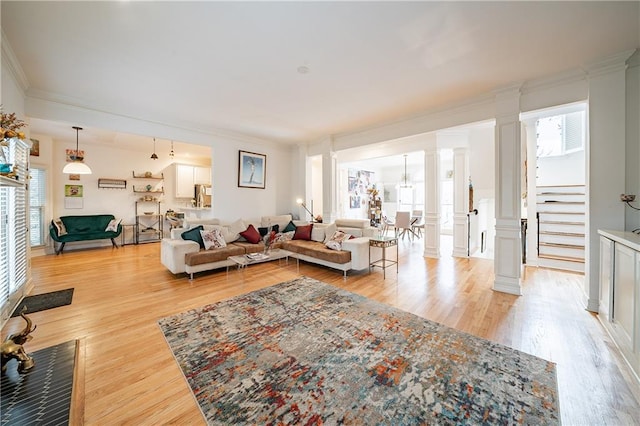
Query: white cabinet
point(620, 291)
point(201, 175)
point(187, 176)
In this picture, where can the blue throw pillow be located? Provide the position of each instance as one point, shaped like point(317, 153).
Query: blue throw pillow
point(194, 235)
point(263, 230)
point(290, 227)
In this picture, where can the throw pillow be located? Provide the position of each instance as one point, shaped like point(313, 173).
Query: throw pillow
point(290, 227)
point(194, 235)
point(303, 232)
point(284, 236)
point(235, 229)
point(263, 230)
point(251, 235)
point(213, 239)
point(59, 227)
point(113, 225)
point(335, 242)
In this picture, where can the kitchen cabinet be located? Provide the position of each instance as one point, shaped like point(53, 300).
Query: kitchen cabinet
point(620, 291)
point(187, 176)
point(202, 175)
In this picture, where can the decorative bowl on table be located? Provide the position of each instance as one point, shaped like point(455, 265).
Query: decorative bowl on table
point(148, 213)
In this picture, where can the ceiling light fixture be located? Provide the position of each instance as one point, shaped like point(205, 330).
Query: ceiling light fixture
point(171, 153)
point(303, 69)
point(76, 166)
point(154, 156)
point(404, 177)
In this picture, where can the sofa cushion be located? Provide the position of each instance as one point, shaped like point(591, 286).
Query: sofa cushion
point(193, 234)
point(85, 224)
point(210, 256)
point(250, 247)
point(318, 251)
point(352, 223)
point(213, 239)
point(251, 235)
point(234, 229)
point(280, 220)
point(303, 232)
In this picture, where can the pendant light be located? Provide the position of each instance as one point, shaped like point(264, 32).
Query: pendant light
point(76, 166)
point(154, 156)
point(404, 177)
point(171, 153)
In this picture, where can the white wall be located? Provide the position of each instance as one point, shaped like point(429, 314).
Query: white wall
point(566, 169)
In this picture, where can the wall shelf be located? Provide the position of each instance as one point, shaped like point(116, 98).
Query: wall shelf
point(112, 183)
point(145, 191)
point(147, 175)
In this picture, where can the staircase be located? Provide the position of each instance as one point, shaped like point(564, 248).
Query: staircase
point(561, 227)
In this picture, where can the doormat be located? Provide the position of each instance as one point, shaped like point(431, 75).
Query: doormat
point(42, 302)
point(41, 395)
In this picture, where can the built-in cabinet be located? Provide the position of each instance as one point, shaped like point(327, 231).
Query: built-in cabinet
point(187, 176)
point(620, 291)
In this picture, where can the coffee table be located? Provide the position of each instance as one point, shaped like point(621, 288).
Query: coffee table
point(244, 260)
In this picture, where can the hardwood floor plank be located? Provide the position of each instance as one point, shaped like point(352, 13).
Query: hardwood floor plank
point(131, 376)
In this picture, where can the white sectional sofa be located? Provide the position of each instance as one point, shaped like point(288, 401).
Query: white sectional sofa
point(185, 256)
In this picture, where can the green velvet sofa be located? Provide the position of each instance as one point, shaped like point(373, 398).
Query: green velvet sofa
point(82, 228)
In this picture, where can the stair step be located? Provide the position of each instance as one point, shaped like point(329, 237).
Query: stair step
point(563, 245)
point(561, 193)
point(560, 202)
point(556, 222)
point(548, 212)
point(558, 186)
point(565, 258)
point(564, 234)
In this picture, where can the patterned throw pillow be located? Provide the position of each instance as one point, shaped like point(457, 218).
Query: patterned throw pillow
point(335, 242)
point(284, 236)
point(213, 239)
point(59, 227)
point(113, 225)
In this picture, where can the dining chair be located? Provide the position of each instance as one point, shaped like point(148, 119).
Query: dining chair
point(387, 224)
point(403, 224)
point(417, 223)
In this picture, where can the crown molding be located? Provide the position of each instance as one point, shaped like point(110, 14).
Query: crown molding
point(612, 63)
point(10, 59)
point(79, 105)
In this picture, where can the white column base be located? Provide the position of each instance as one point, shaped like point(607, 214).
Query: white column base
point(432, 237)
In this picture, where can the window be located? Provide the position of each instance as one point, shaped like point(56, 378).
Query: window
point(13, 228)
point(37, 200)
point(560, 134)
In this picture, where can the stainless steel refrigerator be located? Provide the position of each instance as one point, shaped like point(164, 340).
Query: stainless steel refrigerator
point(202, 195)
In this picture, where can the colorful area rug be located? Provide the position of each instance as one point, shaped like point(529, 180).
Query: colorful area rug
point(306, 352)
point(42, 302)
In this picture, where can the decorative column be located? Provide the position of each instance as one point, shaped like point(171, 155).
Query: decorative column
point(508, 249)
point(460, 202)
point(606, 155)
point(329, 185)
point(432, 202)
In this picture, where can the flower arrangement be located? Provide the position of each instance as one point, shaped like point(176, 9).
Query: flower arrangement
point(10, 126)
point(269, 239)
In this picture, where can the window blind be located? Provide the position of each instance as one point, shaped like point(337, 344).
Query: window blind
point(37, 200)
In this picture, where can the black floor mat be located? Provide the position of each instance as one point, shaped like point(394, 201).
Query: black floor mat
point(41, 302)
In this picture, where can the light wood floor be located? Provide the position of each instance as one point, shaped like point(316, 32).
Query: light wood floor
point(132, 378)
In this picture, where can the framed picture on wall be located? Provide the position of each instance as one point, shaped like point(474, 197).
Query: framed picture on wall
point(252, 169)
point(35, 148)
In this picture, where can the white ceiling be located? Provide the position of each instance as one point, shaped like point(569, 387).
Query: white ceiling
point(233, 66)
